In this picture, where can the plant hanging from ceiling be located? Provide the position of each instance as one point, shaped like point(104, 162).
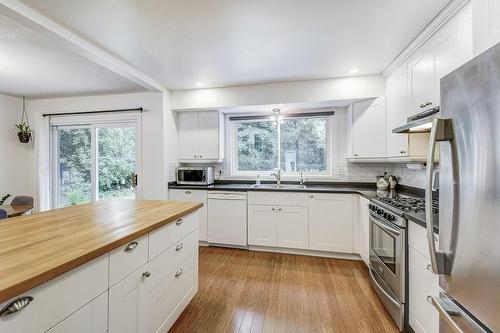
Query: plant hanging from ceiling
point(23, 128)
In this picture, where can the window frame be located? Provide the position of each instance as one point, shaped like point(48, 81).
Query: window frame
point(233, 150)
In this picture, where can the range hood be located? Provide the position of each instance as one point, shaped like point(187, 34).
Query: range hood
point(419, 123)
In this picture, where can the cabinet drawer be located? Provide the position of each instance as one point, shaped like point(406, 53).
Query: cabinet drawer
point(57, 299)
point(188, 195)
point(417, 238)
point(275, 198)
point(161, 239)
point(92, 318)
point(127, 258)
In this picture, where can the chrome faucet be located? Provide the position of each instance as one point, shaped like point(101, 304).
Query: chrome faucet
point(278, 177)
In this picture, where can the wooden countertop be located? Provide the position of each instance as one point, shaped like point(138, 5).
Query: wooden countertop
point(39, 247)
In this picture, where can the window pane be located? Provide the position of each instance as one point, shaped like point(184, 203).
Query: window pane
point(303, 144)
point(116, 162)
point(74, 167)
point(257, 145)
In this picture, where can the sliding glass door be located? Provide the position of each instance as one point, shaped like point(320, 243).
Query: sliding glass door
point(94, 162)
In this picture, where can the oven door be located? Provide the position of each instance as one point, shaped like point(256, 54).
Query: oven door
point(387, 257)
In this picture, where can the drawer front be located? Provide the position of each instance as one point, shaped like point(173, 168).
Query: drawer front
point(127, 258)
point(161, 239)
point(188, 195)
point(57, 299)
point(277, 198)
point(417, 238)
point(92, 318)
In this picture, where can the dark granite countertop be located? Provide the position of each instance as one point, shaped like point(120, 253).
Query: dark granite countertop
point(367, 190)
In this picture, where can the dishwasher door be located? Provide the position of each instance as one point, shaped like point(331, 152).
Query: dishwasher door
point(227, 218)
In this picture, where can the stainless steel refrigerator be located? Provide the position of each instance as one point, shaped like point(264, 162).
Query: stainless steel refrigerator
point(468, 254)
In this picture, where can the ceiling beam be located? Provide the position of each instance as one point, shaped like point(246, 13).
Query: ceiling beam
point(29, 17)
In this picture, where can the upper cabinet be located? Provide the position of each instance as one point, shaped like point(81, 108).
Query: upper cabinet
point(368, 128)
point(397, 112)
point(201, 137)
point(486, 24)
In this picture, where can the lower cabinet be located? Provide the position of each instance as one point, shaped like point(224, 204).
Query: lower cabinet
point(423, 317)
point(195, 196)
point(330, 222)
point(364, 229)
point(262, 225)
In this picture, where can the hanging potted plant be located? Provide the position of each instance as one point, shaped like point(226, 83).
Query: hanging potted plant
point(23, 128)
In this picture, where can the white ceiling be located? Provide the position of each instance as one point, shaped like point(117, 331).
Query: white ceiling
point(37, 65)
point(233, 42)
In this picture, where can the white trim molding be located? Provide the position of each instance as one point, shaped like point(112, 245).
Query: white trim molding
point(441, 19)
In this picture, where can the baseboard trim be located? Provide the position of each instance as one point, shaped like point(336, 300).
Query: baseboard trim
point(312, 253)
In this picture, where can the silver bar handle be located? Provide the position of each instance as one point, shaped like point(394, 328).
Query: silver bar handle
point(393, 231)
point(445, 312)
point(16, 305)
point(389, 297)
point(441, 130)
point(131, 246)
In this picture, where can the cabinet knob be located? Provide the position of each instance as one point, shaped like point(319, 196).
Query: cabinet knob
point(178, 273)
point(403, 152)
point(195, 156)
point(422, 106)
point(311, 196)
point(179, 247)
point(179, 221)
point(429, 299)
point(188, 192)
point(273, 208)
point(130, 247)
point(146, 274)
point(279, 209)
point(429, 268)
point(15, 306)
point(355, 155)
point(200, 156)
point(428, 103)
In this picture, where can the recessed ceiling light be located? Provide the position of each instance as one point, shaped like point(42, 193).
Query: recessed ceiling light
point(199, 84)
point(353, 71)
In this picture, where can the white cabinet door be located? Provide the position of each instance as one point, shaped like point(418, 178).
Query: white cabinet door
point(125, 300)
point(421, 76)
point(423, 316)
point(92, 318)
point(486, 25)
point(369, 128)
point(397, 111)
point(262, 225)
point(208, 135)
point(188, 135)
point(330, 222)
point(364, 229)
point(196, 196)
point(292, 227)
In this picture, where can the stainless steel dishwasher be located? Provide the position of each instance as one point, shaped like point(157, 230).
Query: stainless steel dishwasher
point(227, 218)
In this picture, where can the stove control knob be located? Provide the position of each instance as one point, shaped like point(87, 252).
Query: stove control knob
point(390, 217)
point(379, 211)
point(384, 215)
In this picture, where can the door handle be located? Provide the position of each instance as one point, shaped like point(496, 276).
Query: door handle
point(134, 180)
point(15, 306)
point(442, 130)
point(130, 247)
point(446, 311)
point(390, 230)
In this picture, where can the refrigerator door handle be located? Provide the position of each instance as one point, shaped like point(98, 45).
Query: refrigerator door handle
point(442, 130)
point(446, 311)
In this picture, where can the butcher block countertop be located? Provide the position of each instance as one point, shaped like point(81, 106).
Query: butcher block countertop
point(39, 247)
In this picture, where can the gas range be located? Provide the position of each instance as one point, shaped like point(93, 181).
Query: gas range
point(401, 204)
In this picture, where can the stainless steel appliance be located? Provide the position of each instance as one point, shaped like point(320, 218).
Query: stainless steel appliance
point(468, 257)
point(388, 259)
point(195, 175)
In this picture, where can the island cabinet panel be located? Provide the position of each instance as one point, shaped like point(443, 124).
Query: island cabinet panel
point(57, 299)
point(92, 318)
point(127, 258)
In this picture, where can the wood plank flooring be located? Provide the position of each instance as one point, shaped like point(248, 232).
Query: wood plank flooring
point(249, 291)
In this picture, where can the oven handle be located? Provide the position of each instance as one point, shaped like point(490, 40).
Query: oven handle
point(385, 227)
point(386, 294)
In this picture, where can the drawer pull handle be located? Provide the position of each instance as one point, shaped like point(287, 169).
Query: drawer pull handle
point(178, 273)
point(429, 299)
point(429, 268)
point(179, 247)
point(131, 246)
point(188, 192)
point(146, 274)
point(279, 209)
point(179, 221)
point(15, 306)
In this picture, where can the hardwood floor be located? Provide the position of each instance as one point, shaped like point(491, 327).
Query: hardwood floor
point(248, 291)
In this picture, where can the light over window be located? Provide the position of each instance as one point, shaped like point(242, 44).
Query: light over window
point(290, 144)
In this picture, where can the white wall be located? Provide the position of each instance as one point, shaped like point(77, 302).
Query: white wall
point(157, 131)
point(14, 156)
point(358, 87)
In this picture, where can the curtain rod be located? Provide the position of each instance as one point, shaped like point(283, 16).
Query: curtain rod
point(290, 115)
point(140, 110)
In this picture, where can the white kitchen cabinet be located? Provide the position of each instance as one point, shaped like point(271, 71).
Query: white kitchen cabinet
point(423, 316)
point(397, 111)
point(195, 196)
point(92, 318)
point(364, 229)
point(127, 258)
point(330, 222)
point(369, 128)
point(201, 137)
point(421, 76)
point(262, 228)
point(486, 25)
point(292, 227)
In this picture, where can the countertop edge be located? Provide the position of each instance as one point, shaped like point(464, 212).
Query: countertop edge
point(37, 280)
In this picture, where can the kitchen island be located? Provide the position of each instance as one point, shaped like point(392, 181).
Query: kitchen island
point(108, 266)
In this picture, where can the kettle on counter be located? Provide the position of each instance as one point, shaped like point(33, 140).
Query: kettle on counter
point(382, 182)
point(393, 181)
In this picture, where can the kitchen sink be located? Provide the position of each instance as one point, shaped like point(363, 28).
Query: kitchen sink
point(280, 187)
